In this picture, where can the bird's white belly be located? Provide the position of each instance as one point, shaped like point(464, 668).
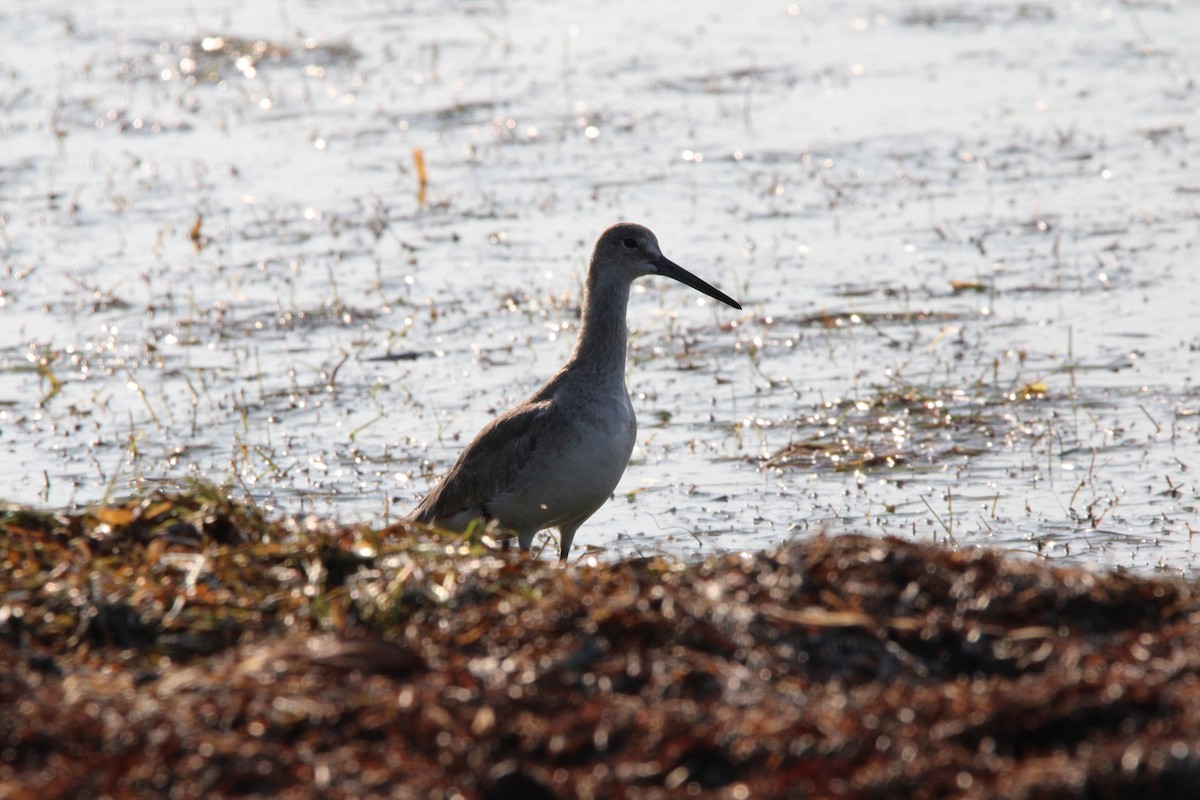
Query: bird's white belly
point(574, 474)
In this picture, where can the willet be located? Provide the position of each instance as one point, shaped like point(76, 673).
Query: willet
point(552, 460)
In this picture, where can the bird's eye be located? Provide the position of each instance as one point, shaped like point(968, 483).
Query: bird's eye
point(630, 242)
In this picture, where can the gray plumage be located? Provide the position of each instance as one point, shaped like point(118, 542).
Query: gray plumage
point(554, 459)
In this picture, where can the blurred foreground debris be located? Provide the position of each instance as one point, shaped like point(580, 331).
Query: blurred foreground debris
point(183, 645)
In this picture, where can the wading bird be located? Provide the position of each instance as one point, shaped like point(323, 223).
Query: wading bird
point(552, 460)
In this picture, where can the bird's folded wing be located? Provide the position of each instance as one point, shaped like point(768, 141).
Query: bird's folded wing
point(489, 466)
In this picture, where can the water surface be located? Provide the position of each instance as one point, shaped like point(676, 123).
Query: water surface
point(964, 236)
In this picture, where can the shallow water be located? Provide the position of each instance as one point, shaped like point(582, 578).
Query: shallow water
point(964, 236)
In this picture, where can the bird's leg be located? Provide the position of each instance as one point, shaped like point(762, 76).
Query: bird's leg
point(525, 539)
point(566, 533)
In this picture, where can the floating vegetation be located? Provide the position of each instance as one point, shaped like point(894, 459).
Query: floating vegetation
point(218, 57)
point(841, 319)
point(184, 639)
point(903, 425)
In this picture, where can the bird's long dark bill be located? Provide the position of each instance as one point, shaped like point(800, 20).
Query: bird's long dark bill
point(672, 270)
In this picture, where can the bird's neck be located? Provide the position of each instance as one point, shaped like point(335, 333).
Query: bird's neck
point(603, 334)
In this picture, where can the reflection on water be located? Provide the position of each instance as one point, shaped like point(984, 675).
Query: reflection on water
point(963, 239)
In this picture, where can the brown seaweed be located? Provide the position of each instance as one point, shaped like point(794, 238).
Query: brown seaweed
point(181, 644)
